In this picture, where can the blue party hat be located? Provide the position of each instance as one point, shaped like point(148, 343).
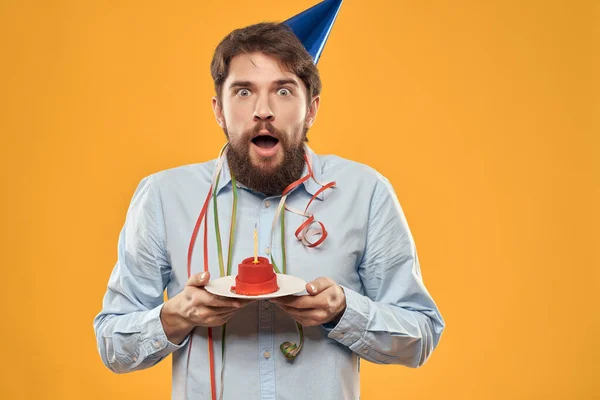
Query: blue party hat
point(313, 26)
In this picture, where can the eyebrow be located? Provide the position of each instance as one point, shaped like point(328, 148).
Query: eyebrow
point(240, 84)
point(281, 82)
point(278, 82)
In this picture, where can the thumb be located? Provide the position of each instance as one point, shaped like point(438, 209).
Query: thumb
point(319, 285)
point(200, 279)
point(311, 288)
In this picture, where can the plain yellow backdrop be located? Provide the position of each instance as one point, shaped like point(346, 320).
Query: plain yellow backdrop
point(483, 114)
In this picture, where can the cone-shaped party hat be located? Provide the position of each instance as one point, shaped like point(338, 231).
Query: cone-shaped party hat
point(313, 26)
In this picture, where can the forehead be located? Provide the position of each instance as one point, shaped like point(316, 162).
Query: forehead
point(258, 68)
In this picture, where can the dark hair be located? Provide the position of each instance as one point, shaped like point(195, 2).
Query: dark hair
point(273, 39)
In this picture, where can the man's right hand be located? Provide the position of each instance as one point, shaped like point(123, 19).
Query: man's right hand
point(194, 306)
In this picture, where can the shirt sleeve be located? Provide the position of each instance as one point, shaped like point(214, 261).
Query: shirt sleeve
point(129, 332)
point(396, 321)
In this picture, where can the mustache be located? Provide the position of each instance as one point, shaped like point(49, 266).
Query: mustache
point(263, 125)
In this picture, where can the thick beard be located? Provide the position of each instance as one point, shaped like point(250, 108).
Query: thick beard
point(270, 183)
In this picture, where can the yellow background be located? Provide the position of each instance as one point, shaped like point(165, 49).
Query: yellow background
point(484, 115)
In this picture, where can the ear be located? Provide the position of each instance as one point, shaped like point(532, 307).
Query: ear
point(218, 111)
point(311, 115)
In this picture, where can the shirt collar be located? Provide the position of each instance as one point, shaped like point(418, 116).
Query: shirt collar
point(311, 186)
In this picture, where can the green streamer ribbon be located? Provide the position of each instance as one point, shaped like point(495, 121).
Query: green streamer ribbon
point(290, 350)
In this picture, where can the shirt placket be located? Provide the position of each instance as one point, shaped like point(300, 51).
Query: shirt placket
point(265, 311)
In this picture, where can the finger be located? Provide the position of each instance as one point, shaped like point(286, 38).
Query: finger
point(300, 302)
point(222, 310)
point(199, 279)
point(318, 285)
point(207, 316)
point(219, 319)
point(219, 301)
point(282, 299)
point(294, 310)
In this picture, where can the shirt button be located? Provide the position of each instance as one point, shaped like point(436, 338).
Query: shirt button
point(267, 204)
point(267, 251)
point(156, 344)
point(366, 351)
point(267, 354)
point(134, 358)
point(266, 304)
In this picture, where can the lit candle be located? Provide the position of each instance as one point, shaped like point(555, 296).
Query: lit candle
point(255, 246)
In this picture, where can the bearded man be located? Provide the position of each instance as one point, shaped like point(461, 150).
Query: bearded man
point(334, 223)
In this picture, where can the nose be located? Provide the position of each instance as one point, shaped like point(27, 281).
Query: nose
point(262, 110)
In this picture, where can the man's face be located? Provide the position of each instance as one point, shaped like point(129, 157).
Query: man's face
point(264, 111)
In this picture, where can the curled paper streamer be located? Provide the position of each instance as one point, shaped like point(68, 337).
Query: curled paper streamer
point(291, 350)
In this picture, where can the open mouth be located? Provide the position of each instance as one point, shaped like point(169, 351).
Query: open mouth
point(265, 141)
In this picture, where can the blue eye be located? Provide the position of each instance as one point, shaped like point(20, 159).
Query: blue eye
point(284, 92)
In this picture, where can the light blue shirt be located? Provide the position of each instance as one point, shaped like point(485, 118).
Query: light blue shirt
point(390, 318)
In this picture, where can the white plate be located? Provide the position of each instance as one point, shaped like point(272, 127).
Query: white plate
point(288, 285)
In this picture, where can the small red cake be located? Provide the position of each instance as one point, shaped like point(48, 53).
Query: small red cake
point(255, 279)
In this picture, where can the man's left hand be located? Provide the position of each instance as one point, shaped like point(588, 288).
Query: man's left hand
point(326, 303)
